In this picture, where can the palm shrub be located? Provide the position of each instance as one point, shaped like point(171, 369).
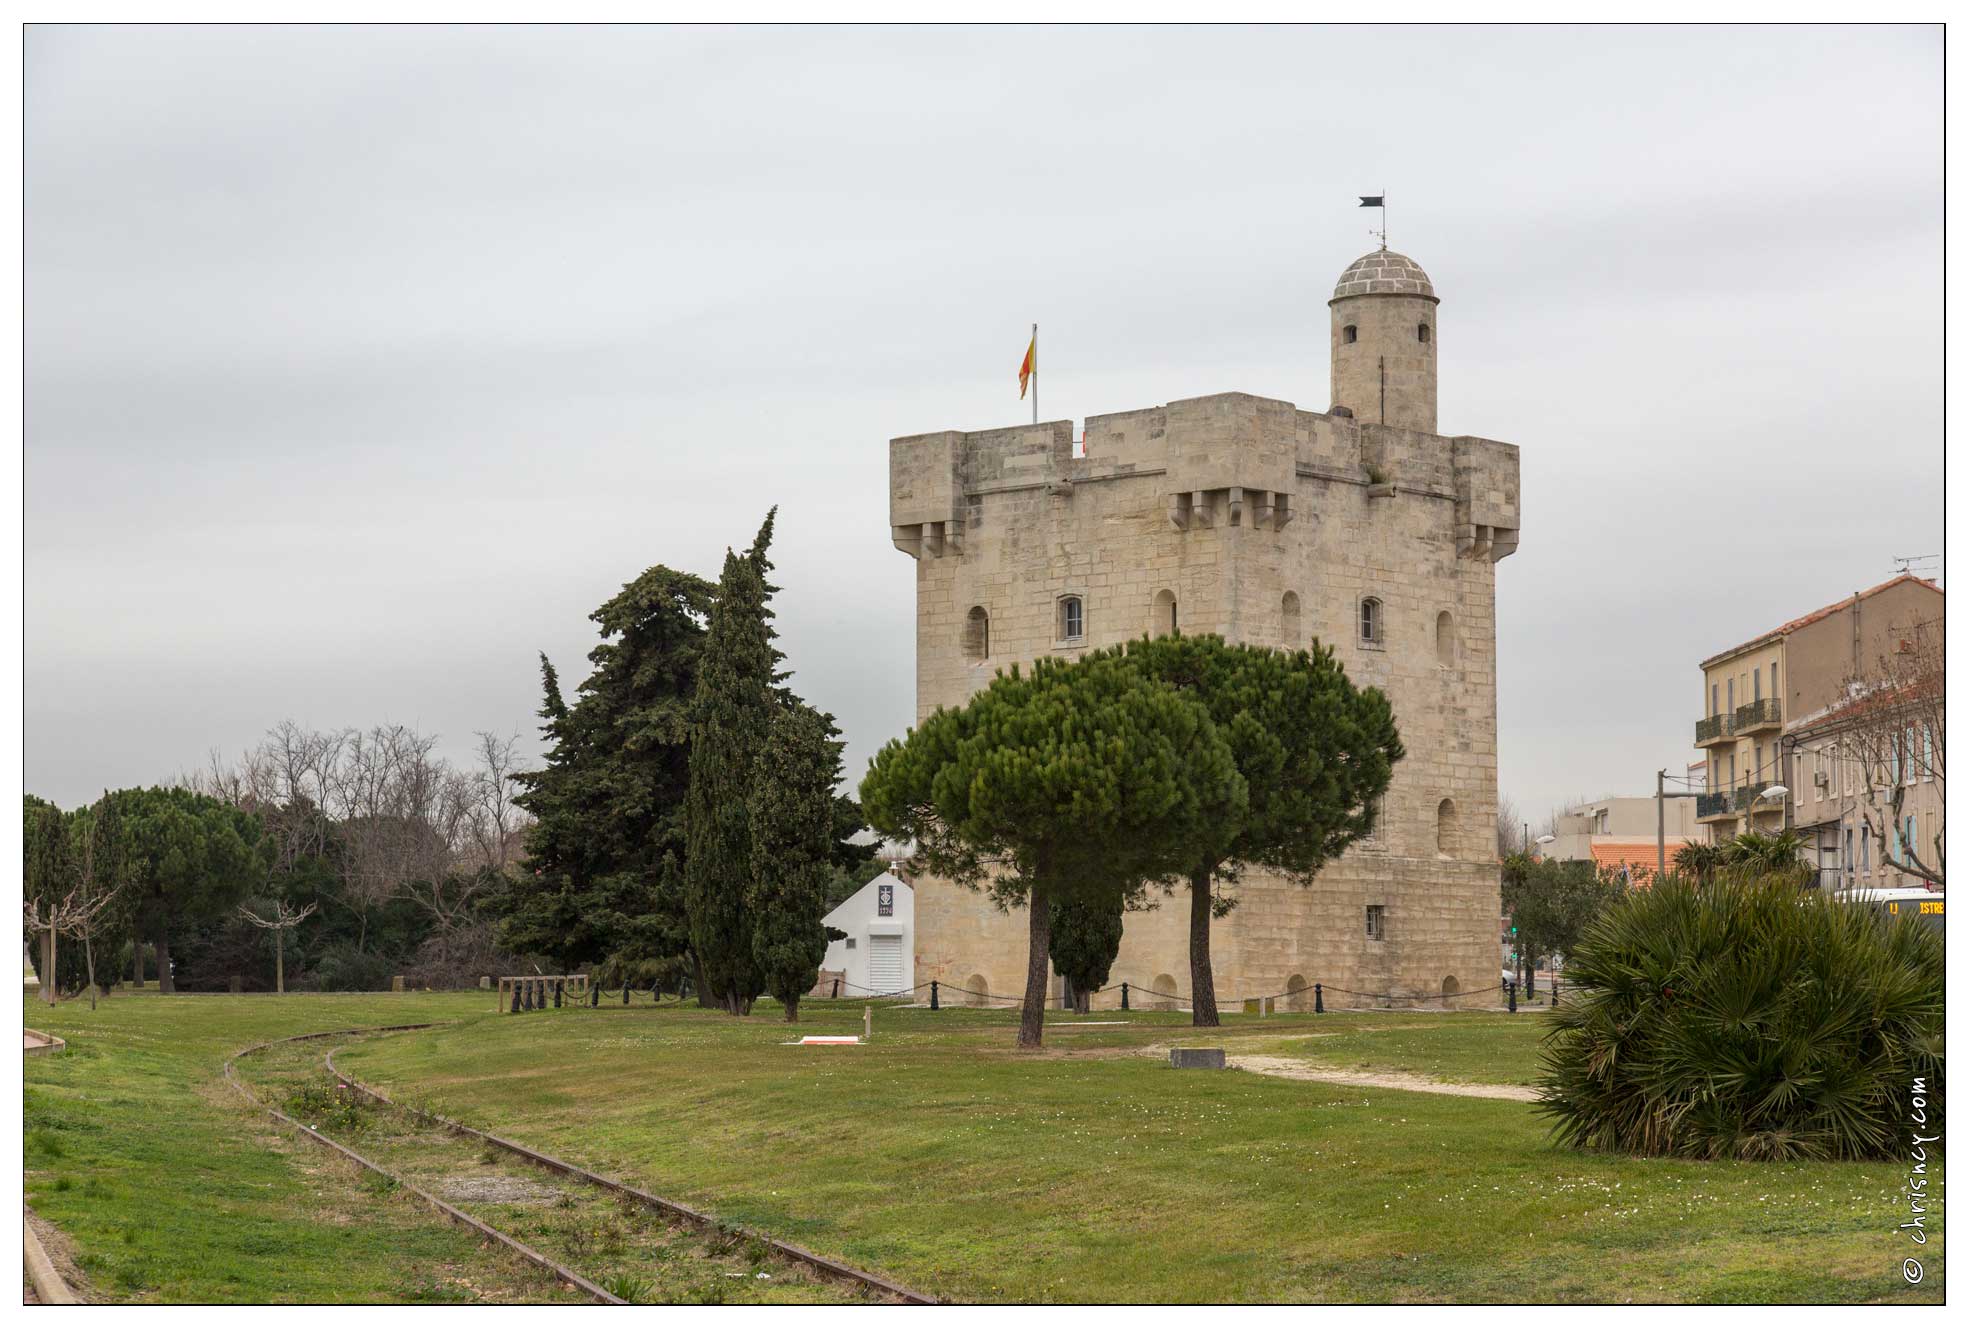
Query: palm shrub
point(1766, 856)
point(1698, 858)
point(1740, 1018)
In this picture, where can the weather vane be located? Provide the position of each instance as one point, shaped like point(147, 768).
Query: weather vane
point(1378, 201)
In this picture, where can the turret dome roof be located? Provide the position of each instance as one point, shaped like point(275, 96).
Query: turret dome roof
point(1384, 272)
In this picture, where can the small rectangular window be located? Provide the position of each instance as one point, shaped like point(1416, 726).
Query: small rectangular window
point(1377, 922)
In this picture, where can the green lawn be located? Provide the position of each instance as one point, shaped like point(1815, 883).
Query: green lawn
point(943, 1158)
point(173, 1190)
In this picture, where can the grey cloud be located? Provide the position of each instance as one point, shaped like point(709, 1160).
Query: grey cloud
point(363, 362)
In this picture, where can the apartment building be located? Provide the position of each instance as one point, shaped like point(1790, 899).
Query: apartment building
point(1805, 667)
point(1620, 833)
point(1867, 786)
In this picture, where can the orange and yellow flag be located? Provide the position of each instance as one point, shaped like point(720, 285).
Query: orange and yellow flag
point(1028, 366)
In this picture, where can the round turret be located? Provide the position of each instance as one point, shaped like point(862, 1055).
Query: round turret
point(1384, 341)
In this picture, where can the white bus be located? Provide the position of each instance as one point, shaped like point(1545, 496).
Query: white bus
point(1896, 901)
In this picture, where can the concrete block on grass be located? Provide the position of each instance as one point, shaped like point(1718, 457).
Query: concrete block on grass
point(1197, 1059)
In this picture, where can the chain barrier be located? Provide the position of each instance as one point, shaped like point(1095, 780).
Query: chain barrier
point(1309, 992)
point(873, 995)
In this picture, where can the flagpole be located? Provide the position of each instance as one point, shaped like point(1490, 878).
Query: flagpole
point(1035, 373)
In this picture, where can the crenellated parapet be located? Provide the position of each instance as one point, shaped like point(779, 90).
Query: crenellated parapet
point(1223, 461)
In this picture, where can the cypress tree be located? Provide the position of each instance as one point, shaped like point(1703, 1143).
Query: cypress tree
point(731, 713)
point(1086, 938)
point(792, 816)
point(607, 802)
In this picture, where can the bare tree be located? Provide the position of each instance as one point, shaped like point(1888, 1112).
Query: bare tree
point(98, 881)
point(495, 821)
point(395, 820)
point(285, 917)
point(74, 915)
point(1893, 729)
point(1510, 830)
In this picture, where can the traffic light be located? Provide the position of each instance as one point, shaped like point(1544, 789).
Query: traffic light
point(1514, 929)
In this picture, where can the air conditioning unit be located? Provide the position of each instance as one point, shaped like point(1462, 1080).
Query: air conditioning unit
point(1820, 779)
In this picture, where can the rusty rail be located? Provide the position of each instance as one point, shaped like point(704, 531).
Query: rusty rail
point(833, 1268)
point(520, 1248)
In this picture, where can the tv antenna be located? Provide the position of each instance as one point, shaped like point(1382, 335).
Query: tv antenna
point(1919, 564)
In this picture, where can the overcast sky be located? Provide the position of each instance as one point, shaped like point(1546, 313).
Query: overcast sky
point(363, 363)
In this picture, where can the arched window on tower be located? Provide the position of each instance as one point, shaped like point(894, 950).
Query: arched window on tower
point(1162, 614)
point(1350, 334)
point(1422, 333)
point(1445, 639)
point(1073, 618)
point(1446, 827)
point(977, 635)
point(1288, 620)
point(1371, 627)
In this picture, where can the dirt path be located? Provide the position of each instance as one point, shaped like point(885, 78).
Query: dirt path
point(1290, 1068)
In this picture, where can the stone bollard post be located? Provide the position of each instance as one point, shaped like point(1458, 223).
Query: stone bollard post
point(1197, 1059)
point(558, 985)
point(933, 994)
point(868, 1024)
point(516, 998)
point(625, 992)
point(1511, 995)
point(594, 996)
point(1124, 996)
point(1319, 999)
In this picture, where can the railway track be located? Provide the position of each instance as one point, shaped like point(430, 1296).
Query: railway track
point(560, 1271)
point(831, 1271)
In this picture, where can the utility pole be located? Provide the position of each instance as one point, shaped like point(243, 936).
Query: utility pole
point(1661, 819)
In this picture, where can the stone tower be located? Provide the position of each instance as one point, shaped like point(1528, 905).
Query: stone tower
point(1249, 517)
point(1384, 341)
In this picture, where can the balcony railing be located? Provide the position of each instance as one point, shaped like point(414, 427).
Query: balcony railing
point(1755, 715)
point(1712, 805)
point(1712, 729)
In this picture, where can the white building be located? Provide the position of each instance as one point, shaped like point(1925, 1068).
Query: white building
point(879, 952)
